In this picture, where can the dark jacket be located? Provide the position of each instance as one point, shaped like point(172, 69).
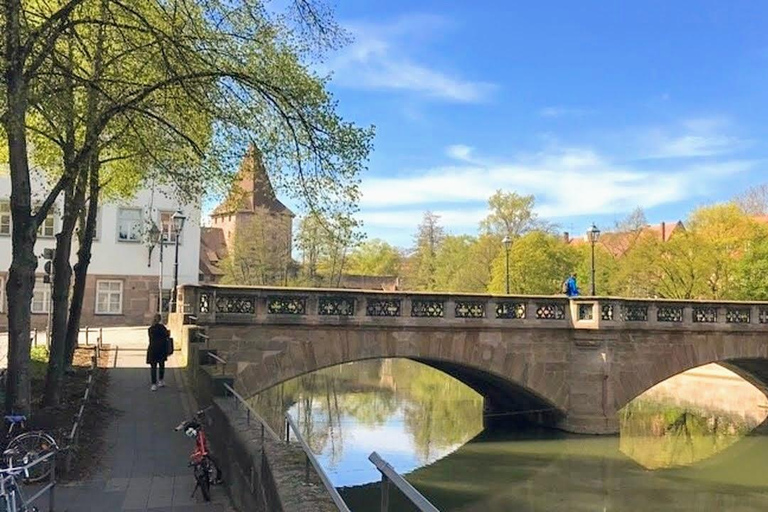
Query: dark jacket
point(157, 351)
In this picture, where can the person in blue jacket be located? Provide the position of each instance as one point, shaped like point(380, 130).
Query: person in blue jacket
point(571, 289)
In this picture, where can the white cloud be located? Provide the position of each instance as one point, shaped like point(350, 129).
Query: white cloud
point(693, 138)
point(379, 59)
point(459, 152)
point(567, 182)
point(560, 111)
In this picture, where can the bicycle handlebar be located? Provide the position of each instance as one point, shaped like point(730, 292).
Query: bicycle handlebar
point(198, 416)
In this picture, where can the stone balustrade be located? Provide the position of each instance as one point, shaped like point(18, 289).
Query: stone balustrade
point(211, 304)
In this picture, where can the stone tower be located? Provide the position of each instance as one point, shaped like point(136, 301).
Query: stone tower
point(251, 220)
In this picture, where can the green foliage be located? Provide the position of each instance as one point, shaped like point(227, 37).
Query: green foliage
point(430, 236)
point(261, 254)
point(538, 264)
point(439, 411)
point(39, 358)
point(511, 215)
point(376, 258)
point(325, 243)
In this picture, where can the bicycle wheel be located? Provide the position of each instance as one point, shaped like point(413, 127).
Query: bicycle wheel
point(34, 445)
point(202, 475)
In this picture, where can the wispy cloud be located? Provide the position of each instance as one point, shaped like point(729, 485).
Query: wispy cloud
point(379, 59)
point(566, 182)
point(560, 111)
point(693, 138)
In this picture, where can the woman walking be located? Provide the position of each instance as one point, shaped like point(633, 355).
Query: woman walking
point(157, 352)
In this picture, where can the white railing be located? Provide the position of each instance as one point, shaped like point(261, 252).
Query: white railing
point(251, 413)
point(311, 459)
point(388, 474)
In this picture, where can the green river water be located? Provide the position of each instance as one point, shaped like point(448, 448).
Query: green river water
point(430, 428)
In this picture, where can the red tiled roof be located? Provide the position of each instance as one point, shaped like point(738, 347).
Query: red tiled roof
point(619, 243)
point(253, 189)
point(213, 249)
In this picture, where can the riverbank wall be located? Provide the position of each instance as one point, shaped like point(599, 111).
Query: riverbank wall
point(261, 474)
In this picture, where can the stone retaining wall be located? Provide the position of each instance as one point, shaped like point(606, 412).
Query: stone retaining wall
point(261, 474)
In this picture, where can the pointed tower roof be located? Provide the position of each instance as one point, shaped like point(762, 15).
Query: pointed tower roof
point(252, 189)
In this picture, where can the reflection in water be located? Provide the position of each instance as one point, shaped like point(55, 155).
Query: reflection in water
point(657, 435)
point(690, 417)
point(408, 412)
point(419, 420)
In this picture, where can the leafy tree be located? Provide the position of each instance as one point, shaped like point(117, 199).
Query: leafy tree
point(325, 244)
point(751, 272)
point(538, 264)
point(511, 214)
point(168, 79)
point(451, 271)
point(429, 238)
point(723, 234)
point(261, 255)
point(376, 258)
point(606, 269)
point(463, 263)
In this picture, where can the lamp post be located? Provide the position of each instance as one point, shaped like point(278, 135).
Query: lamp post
point(507, 242)
point(593, 234)
point(178, 224)
point(156, 238)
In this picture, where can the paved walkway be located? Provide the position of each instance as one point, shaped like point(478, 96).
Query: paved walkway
point(144, 465)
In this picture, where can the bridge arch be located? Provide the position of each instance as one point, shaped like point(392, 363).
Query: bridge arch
point(643, 359)
point(509, 378)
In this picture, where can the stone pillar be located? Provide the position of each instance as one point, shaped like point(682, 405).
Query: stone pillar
point(591, 403)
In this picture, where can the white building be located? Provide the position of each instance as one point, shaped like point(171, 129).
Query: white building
point(124, 275)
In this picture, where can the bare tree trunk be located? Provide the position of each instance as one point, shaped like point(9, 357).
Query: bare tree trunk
point(83, 259)
point(62, 280)
point(21, 275)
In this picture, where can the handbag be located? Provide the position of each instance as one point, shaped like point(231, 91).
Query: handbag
point(169, 346)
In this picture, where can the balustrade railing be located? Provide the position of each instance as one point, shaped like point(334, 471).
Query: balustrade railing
point(211, 304)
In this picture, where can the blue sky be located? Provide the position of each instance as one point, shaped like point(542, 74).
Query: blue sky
point(594, 107)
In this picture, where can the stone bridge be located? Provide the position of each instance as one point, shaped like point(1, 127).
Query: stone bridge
point(568, 363)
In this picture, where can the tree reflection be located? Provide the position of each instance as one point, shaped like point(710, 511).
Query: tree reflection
point(659, 435)
point(438, 412)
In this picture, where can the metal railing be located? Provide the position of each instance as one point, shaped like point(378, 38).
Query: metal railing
point(251, 413)
point(24, 470)
point(74, 435)
point(388, 474)
point(311, 459)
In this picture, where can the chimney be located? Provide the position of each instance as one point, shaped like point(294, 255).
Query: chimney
point(663, 231)
point(566, 238)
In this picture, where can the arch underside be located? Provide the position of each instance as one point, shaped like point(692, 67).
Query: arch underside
point(506, 402)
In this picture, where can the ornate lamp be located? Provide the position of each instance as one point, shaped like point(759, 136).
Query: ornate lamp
point(507, 243)
point(593, 234)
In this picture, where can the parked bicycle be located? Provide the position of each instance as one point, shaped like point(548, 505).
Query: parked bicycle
point(202, 463)
point(12, 497)
point(32, 445)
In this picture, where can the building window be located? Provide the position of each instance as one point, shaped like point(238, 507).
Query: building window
point(129, 225)
point(2, 295)
point(166, 224)
point(97, 230)
point(47, 227)
point(41, 298)
point(5, 217)
point(109, 297)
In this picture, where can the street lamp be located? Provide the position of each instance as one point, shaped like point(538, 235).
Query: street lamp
point(178, 219)
point(593, 234)
point(507, 242)
point(156, 238)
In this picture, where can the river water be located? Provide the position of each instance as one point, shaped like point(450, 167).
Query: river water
point(672, 455)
